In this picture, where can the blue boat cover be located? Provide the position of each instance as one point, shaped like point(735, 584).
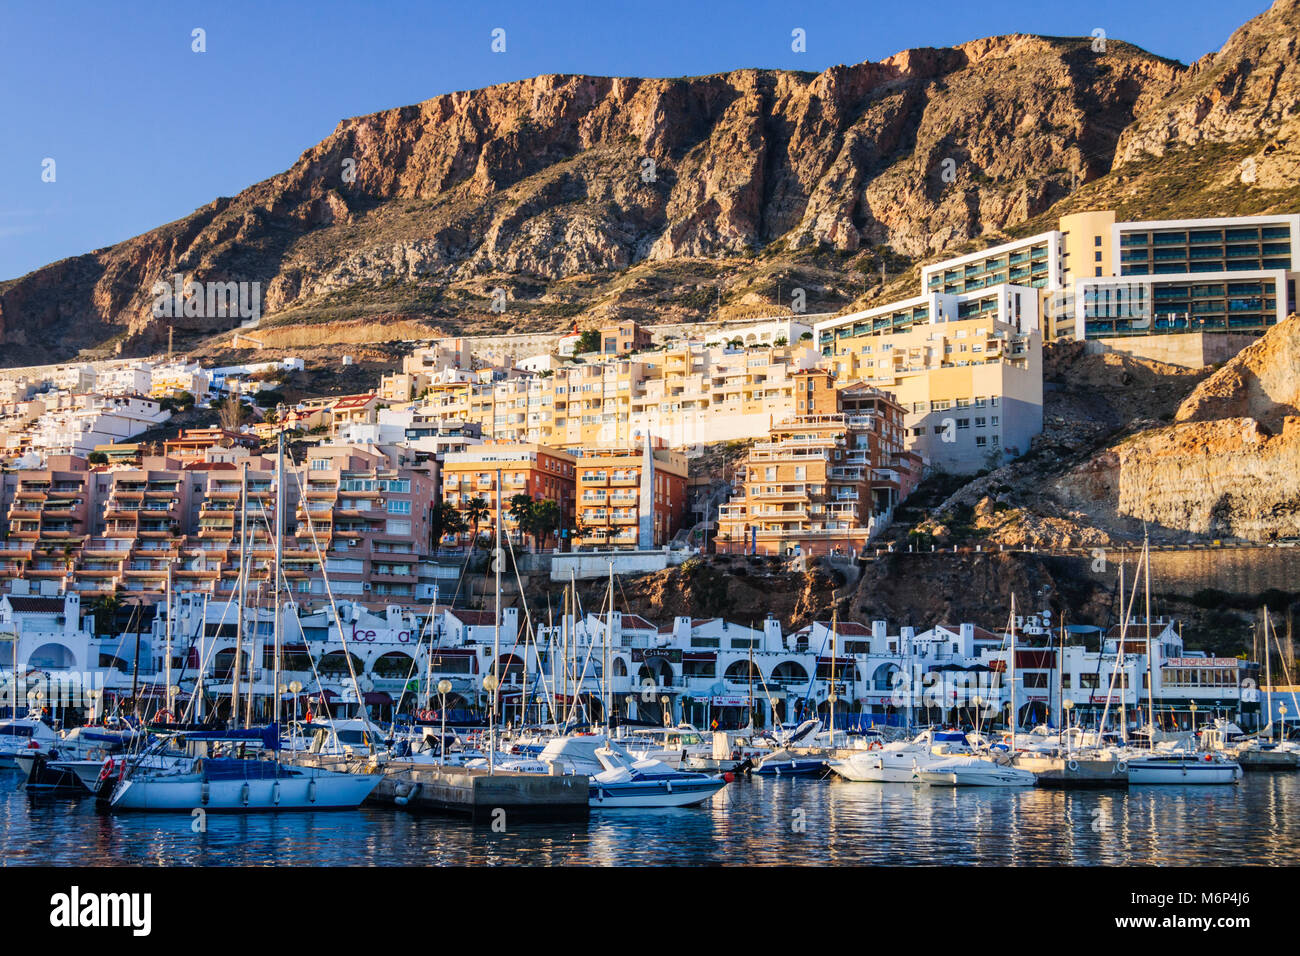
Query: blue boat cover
point(233, 769)
point(269, 736)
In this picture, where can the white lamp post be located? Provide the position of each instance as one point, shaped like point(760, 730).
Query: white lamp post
point(1067, 705)
point(1281, 709)
point(1192, 708)
point(444, 688)
point(295, 688)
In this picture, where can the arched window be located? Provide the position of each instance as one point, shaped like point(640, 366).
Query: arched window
point(789, 673)
point(740, 672)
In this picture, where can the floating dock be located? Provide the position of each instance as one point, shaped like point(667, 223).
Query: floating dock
point(1257, 760)
point(477, 794)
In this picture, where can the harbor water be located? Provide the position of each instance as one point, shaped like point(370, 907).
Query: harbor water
point(753, 821)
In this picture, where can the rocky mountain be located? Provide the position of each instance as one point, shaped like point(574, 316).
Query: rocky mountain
point(589, 197)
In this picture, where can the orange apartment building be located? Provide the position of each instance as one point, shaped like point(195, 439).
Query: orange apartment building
point(824, 480)
point(192, 444)
point(619, 489)
point(542, 472)
point(121, 530)
point(619, 338)
point(48, 513)
point(368, 519)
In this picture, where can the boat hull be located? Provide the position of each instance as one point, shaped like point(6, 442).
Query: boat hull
point(1183, 773)
point(976, 773)
point(877, 769)
point(792, 768)
point(186, 793)
point(658, 793)
point(48, 776)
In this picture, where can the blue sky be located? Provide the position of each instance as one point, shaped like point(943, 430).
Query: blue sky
point(143, 130)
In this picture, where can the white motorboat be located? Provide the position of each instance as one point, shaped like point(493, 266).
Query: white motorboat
point(231, 771)
point(783, 763)
point(975, 771)
point(898, 762)
point(18, 734)
point(628, 783)
point(674, 746)
point(1181, 768)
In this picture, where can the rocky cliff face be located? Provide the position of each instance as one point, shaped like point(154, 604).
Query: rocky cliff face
point(1226, 468)
point(1247, 93)
point(555, 187)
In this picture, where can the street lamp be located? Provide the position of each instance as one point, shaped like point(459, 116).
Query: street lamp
point(1281, 709)
point(172, 692)
point(1067, 705)
point(1192, 708)
point(444, 688)
point(664, 701)
point(772, 701)
point(295, 688)
point(490, 685)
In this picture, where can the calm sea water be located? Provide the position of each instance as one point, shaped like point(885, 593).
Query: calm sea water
point(758, 821)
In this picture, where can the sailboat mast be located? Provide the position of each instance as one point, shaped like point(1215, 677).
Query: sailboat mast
point(496, 637)
point(275, 574)
point(1151, 677)
point(564, 625)
point(604, 666)
point(1268, 672)
point(550, 651)
point(167, 671)
point(1015, 718)
point(751, 678)
point(433, 632)
point(1119, 658)
point(831, 695)
point(240, 579)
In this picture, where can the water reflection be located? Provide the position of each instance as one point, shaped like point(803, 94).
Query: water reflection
point(760, 821)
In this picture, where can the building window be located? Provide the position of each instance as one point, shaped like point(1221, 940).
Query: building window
point(399, 507)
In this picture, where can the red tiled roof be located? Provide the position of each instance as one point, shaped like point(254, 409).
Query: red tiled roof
point(472, 618)
point(36, 605)
point(979, 631)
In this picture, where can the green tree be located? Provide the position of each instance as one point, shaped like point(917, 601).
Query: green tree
point(545, 519)
point(444, 520)
point(97, 458)
point(476, 512)
point(521, 512)
point(588, 341)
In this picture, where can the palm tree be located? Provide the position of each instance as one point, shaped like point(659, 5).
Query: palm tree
point(444, 520)
point(544, 519)
point(521, 508)
point(476, 511)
